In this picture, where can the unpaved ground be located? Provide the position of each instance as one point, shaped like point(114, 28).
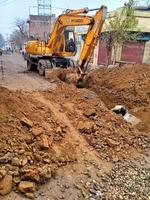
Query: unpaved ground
point(92, 153)
point(16, 76)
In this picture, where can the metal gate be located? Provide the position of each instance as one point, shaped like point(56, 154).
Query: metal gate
point(133, 52)
point(104, 56)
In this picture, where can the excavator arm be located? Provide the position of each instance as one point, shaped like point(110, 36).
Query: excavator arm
point(91, 40)
point(75, 18)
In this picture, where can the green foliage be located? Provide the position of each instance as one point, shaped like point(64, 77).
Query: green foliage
point(120, 28)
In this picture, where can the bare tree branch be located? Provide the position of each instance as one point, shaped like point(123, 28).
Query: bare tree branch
point(22, 26)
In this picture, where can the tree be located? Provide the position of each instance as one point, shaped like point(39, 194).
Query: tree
point(21, 27)
point(19, 36)
point(120, 28)
point(2, 41)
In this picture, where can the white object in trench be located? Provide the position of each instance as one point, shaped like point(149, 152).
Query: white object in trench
point(122, 110)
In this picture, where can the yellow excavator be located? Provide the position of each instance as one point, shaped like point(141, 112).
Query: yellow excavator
point(61, 46)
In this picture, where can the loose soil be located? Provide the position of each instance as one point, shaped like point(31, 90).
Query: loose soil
point(70, 139)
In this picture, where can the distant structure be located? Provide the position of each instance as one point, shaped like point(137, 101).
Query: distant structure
point(40, 25)
point(142, 3)
point(137, 51)
point(44, 7)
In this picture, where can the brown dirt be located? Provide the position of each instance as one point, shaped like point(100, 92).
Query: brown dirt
point(128, 85)
point(109, 134)
point(72, 138)
point(25, 143)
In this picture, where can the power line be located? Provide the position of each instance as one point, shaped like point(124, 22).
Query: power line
point(59, 8)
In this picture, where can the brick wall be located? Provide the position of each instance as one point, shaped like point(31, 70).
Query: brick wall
point(40, 25)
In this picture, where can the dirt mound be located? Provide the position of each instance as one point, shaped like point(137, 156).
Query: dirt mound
point(32, 145)
point(127, 85)
point(57, 74)
point(108, 133)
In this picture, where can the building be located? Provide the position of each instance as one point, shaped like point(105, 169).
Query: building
point(134, 52)
point(40, 25)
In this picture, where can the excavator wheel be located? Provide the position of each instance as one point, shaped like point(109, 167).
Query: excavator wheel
point(30, 66)
point(49, 64)
point(42, 65)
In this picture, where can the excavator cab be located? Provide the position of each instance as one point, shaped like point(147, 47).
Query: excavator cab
point(70, 44)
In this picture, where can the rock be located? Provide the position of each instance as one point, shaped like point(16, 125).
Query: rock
point(22, 151)
point(47, 161)
point(6, 185)
point(111, 142)
point(24, 161)
point(3, 173)
point(59, 130)
point(90, 95)
point(90, 112)
point(45, 174)
point(37, 131)
point(28, 138)
point(26, 187)
point(6, 158)
point(16, 162)
point(30, 195)
point(16, 179)
point(26, 122)
point(15, 171)
point(31, 175)
point(44, 142)
point(115, 159)
point(37, 157)
point(86, 127)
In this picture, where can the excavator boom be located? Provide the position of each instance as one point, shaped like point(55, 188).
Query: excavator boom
point(91, 40)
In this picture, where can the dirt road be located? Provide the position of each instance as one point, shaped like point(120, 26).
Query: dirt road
point(16, 76)
point(69, 139)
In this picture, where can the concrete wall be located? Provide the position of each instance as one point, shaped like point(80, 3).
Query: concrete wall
point(143, 18)
point(143, 26)
point(146, 57)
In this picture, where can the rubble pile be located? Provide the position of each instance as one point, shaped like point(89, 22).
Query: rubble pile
point(29, 134)
point(108, 133)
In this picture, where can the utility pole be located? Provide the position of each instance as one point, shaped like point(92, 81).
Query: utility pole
point(44, 7)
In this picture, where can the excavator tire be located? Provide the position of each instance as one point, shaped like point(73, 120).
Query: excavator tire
point(50, 64)
point(42, 65)
point(30, 66)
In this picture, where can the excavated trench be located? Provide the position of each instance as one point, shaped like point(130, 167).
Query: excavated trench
point(128, 86)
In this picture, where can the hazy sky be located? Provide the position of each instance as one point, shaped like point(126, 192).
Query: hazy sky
point(11, 9)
